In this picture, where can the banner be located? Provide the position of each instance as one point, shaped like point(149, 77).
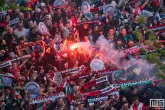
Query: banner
point(98, 99)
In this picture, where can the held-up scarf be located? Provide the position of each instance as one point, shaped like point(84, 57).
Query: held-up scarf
point(130, 84)
point(134, 50)
point(88, 22)
point(9, 62)
point(116, 87)
point(160, 33)
point(23, 46)
point(157, 27)
point(104, 91)
point(95, 82)
point(97, 99)
point(50, 97)
point(71, 70)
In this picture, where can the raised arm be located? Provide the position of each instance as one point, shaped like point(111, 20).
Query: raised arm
point(145, 3)
point(23, 63)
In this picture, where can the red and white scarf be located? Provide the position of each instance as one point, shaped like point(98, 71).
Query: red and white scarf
point(52, 97)
point(157, 27)
point(95, 82)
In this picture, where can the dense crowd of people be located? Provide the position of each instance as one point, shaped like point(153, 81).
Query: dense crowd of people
point(56, 57)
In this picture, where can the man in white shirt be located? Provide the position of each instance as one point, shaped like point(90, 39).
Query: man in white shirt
point(21, 32)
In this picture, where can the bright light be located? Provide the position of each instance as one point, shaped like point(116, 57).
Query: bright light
point(73, 47)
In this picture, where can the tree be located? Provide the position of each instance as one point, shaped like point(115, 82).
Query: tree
point(4, 6)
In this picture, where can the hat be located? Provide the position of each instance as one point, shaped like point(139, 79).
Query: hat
point(42, 4)
point(59, 3)
point(109, 9)
point(85, 7)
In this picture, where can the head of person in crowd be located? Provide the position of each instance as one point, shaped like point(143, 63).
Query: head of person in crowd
point(85, 26)
point(21, 16)
point(154, 22)
point(59, 11)
point(68, 25)
point(130, 43)
point(10, 30)
point(136, 18)
point(3, 42)
point(125, 106)
point(123, 99)
point(118, 43)
point(123, 31)
point(157, 95)
point(136, 5)
point(100, 31)
point(7, 90)
point(110, 34)
point(96, 28)
point(61, 104)
point(163, 20)
point(86, 39)
point(135, 101)
point(42, 5)
point(133, 90)
point(21, 40)
point(14, 66)
point(90, 31)
point(96, 16)
point(4, 70)
point(7, 28)
point(20, 26)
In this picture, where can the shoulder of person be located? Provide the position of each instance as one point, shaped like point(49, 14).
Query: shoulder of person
point(9, 74)
point(15, 30)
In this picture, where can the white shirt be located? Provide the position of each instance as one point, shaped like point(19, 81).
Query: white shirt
point(5, 81)
point(24, 33)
